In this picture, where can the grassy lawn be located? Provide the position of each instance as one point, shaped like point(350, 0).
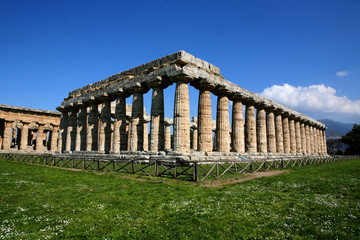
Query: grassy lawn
point(316, 201)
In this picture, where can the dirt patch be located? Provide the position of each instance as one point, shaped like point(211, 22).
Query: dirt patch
point(249, 177)
point(214, 183)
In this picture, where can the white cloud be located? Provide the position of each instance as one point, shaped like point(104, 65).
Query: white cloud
point(318, 101)
point(342, 73)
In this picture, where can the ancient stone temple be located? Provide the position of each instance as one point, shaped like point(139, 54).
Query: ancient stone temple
point(28, 129)
point(264, 128)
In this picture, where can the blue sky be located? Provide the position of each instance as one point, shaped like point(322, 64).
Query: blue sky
point(304, 54)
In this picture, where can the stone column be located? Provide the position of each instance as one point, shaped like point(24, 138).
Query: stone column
point(167, 136)
point(181, 118)
point(63, 131)
point(303, 138)
point(270, 128)
point(261, 130)
point(298, 137)
point(286, 134)
point(222, 125)
point(71, 131)
point(40, 138)
point(137, 123)
point(146, 135)
point(319, 141)
point(195, 138)
point(279, 134)
point(312, 149)
point(250, 129)
point(119, 135)
point(315, 141)
point(54, 138)
point(7, 135)
point(157, 120)
point(13, 136)
point(105, 127)
point(325, 144)
point(308, 144)
point(292, 136)
point(205, 143)
point(238, 137)
point(92, 128)
point(81, 130)
point(24, 136)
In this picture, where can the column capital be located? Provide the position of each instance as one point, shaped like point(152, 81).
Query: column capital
point(168, 121)
point(181, 78)
point(203, 84)
point(220, 90)
point(156, 81)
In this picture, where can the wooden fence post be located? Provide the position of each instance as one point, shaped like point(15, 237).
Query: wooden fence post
point(175, 170)
point(156, 168)
point(195, 172)
point(132, 167)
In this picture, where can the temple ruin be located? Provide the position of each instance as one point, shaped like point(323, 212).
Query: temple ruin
point(268, 128)
point(28, 129)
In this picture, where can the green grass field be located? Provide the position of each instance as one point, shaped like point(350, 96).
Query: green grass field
point(316, 201)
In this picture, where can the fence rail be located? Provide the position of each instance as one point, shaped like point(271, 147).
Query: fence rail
point(196, 171)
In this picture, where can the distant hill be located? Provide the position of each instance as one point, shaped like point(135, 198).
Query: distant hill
point(335, 129)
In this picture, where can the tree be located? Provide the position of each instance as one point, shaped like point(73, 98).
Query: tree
point(352, 139)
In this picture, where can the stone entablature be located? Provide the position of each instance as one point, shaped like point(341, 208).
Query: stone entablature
point(28, 129)
point(268, 127)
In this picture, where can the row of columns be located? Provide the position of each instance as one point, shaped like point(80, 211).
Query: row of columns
point(27, 133)
point(263, 130)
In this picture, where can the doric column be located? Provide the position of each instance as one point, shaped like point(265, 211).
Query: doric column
point(146, 133)
point(250, 129)
point(195, 138)
point(40, 138)
point(7, 135)
point(54, 138)
point(105, 127)
point(316, 142)
point(261, 130)
point(303, 138)
point(279, 134)
point(24, 136)
point(71, 131)
point(292, 136)
point(119, 135)
point(318, 145)
point(238, 138)
point(137, 123)
point(319, 141)
point(81, 130)
point(324, 141)
point(181, 126)
point(222, 125)
point(204, 121)
point(92, 128)
point(286, 134)
point(167, 135)
point(312, 149)
point(157, 120)
point(308, 139)
point(270, 128)
point(63, 131)
point(298, 137)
